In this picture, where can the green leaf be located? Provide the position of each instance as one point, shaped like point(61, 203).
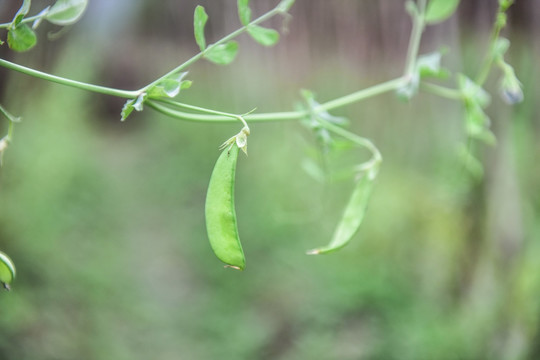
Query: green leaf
point(475, 100)
point(222, 54)
point(285, 5)
point(477, 124)
point(66, 12)
point(170, 86)
point(127, 109)
point(411, 8)
point(133, 104)
point(21, 13)
point(500, 47)
point(21, 38)
point(429, 65)
point(472, 93)
point(199, 22)
point(244, 13)
point(263, 36)
point(505, 4)
point(440, 10)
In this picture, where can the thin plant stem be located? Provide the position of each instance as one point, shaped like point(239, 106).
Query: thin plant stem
point(68, 82)
point(488, 58)
point(277, 116)
point(218, 116)
point(441, 91)
point(196, 108)
point(25, 20)
point(361, 94)
point(416, 36)
point(377, 157)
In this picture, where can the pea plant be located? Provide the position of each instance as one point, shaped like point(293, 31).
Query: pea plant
point(162, 95)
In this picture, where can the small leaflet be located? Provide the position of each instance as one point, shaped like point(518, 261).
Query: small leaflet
point(439, 10)
point(66, 12)
point(475, 100)
point(133, 104)
point(21, 13)
point(170, 86)
point(429, 65)
point(263, 36)
point(199, 22)
point(285, 5)
point(21, 38)
point(244, 12)
point(222, 54)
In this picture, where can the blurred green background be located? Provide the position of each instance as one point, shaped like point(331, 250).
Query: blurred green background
point(105, 220)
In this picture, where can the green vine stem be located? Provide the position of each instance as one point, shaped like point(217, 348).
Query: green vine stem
point(68, 82)
point(216, 116)
point(499, 24)
point(361, 141)
point(416, 36)
point(363, 94)
point(441, 91)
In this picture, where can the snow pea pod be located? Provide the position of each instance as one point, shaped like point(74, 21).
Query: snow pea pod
point(352, 216)
point(7, 270)
point(220, 213)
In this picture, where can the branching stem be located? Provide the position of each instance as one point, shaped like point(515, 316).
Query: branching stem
point(218, 116)
point(223, 40)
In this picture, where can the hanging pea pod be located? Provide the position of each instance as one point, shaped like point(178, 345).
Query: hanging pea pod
point(352, 216)
point(7, 270)
point(220, 213)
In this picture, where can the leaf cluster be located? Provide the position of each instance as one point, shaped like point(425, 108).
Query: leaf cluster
point(22, 37)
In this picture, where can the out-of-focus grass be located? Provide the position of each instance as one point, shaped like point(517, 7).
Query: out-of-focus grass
point(106, 229)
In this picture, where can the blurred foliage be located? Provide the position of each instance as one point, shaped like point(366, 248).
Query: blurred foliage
point(105, 223)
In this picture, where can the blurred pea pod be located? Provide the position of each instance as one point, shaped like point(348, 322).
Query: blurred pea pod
point(220, 213)
point(7, 270)
point(352, 216)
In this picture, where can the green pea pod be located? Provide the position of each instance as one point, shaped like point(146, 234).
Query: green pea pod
point(219, 210)
point(352, 216)
point(7, 270)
